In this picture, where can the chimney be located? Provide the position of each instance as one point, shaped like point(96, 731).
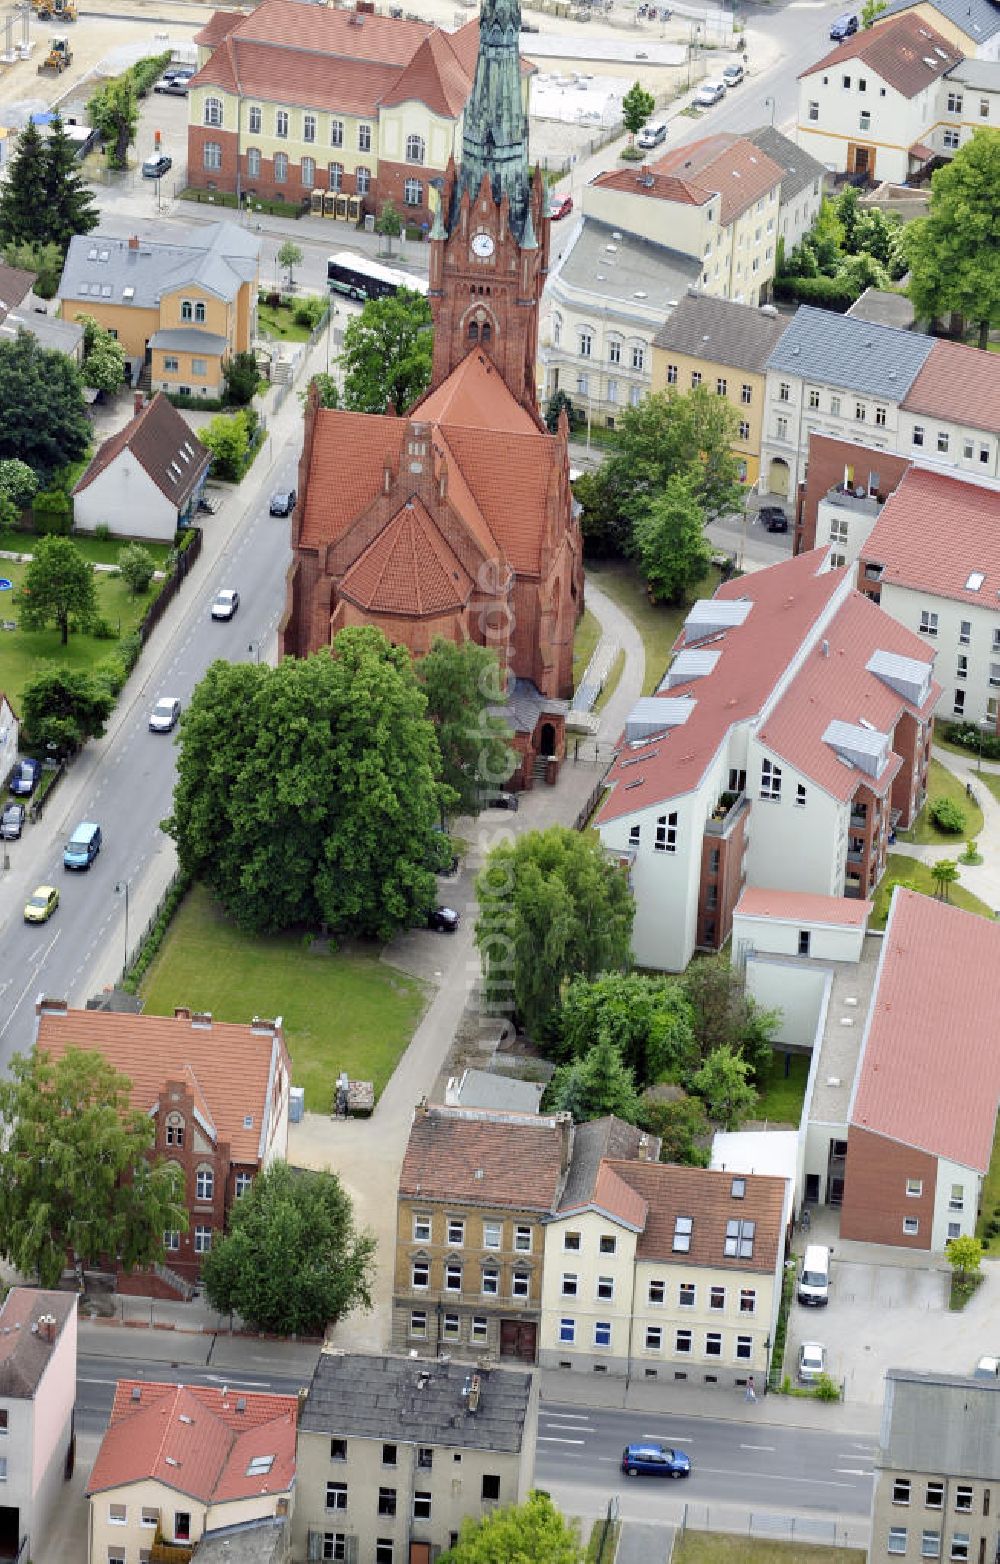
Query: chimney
point(181, 1013)
point(565, 1123)
point(824, 647)
point(422, 1108)
point(644, 1148)
point(201, 1018)
point(48, 1007)
point(133, 241)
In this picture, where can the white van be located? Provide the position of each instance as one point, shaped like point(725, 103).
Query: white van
point(814, 1282)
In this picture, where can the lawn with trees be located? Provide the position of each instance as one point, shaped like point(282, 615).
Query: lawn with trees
point(848, 249)
point(75, 1174)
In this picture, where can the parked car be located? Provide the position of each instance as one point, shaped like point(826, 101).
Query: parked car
point(12, 822)
point(653, 1460)
point(226, 603)
point(987, 1368)
point(812, 1361)
point(708, 93)
point(844, 27)
point(156, 167)
point(175, 86)
point(282, 502)
point(164, 715)
point(773, 518)
point(444, 919)
point(560, 206)
point(733, 74)
point(500, 800)
point(651, 136)
point(41, 905)
point(177, 72)
point(24, 778)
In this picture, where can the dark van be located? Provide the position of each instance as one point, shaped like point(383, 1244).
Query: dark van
point(844, 27)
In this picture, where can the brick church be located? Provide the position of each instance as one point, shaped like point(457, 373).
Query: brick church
point(457, 520)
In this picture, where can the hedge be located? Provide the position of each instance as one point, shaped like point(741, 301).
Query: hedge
point(155, 934)
point(967, 736)
point(827, 293)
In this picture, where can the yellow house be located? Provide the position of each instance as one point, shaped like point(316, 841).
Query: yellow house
point(179, 1461)
point(180, 308)
point(971, 26)
point(724, 346)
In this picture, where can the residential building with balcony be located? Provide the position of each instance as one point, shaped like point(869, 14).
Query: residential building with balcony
point(790, 733)
point(873, 105)
point(841, 496)
point(217, 1094)
point(970, 26)
point(838, 376)
point(181, 1460)
point(394, 1455)
point(474, 1192)
point(290, 101)
point(37, 1399)
point(724, 346)
point(936, 1463)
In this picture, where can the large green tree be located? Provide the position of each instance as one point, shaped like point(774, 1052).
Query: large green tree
point(309, 793)
point(58, 587)
point(637, 106)
point(292, 1260)
point(954, 252)
point(670, 540)
point(67, 199)
point(387, 354)
point(648, 1019)
point(529, 1533)
point(114, 113)
point(103, 357)
point(683, 1129)
point(598, 1084)
point(724, 1086)
point(75, 1175)
point(551, 906)
point(604, 529)
point(63, 707)
point(22, 213)
point(725, 1015)
point(44, 419)
point(461, 683)
point(18, 483)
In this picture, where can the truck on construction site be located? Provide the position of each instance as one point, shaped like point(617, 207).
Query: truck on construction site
point(60, 56)
point(60, 10)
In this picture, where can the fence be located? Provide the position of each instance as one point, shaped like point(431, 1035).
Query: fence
point(37, 808)
point(134, 951)
point(773, 1526)
point(183, 561)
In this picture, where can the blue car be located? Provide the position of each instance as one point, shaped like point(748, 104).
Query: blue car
point(650, 1460)
point(24, 778)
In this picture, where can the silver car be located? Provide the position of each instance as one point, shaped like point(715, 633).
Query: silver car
point(164, 715)
point(812, 1361)
point(708, 93)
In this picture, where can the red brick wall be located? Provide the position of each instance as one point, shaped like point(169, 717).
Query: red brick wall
point(916, 754)
point(875, 1198)
point(827, 460)
point(727, 881)
point(176, 1097)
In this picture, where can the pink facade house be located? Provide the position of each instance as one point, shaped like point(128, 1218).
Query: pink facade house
point(37, 1398)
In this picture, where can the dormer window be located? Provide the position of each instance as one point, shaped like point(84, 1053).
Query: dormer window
point(683, 1226)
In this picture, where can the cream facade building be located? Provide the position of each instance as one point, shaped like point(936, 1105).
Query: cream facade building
point(971, 26)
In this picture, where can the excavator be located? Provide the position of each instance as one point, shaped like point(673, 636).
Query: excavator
point(61, 10)
point(60, 55)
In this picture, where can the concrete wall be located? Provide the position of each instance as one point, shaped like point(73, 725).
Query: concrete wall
point(125, 498)
point(794, 847)
point(686, 229)
point(780, 937)
point(876, 1203)
point(795, 990)
point(895, 122)
point(740, 1330)
point(956, 1202)
point(964, 446)
point(52, 1428)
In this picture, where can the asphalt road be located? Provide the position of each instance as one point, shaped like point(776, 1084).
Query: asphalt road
point(96, 1377)
point(766, 1466)
point(129, 787)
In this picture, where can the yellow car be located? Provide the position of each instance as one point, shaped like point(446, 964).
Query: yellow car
point(40, 907)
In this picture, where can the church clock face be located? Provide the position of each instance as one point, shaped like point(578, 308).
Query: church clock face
point(482, 246)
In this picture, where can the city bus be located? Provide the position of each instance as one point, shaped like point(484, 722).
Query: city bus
point(361, 278)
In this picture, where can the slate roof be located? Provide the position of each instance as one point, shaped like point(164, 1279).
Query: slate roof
point(197, 1440)
point(934, 1000)
point(15, 285)
point(803, 907)
point(488, 1159)
point(491, 1089)
point(61, 336)
point(940, 1423)
point(706, 1196)
point(592, 1142)
point(978, 19)
point(958, 383)
point(643, 275)
point(229, 1068)
point(24, 1352)
point(361, 1395)
point(218, 257)
point(905, 52)
point(525, 704)
point(934, 532)
point(857, 355)
point(798, 169)
point(983, 74)
point(163, 444)
point(721, 332)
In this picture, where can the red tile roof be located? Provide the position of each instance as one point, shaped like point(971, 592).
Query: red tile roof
point(726, 164)
point(486, 1159)
point(836, 685)
point(787, 599)
point(435, 77)
point(959, 384)
point(934, 533)
point(619, 1199)
point(934, 1008)
point(706, 1196)
point(219, 25)
point(408, 569)
point(195, 1440)
point(230, 1068)
point(657, 186)
point(803, 907)
point(160, 439)
point(906, 53)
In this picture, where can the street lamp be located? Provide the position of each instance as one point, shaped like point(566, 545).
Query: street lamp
point(771, 102)
point(122, 889)
point(982, 726)
point(692, 39)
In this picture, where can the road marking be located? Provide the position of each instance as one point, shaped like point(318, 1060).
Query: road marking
point(781, 1477)
point(563, 1417)
point(758, 1447)
point(854, 1471)
point(550, 1439)
point(46, 953)
point(681, 1439)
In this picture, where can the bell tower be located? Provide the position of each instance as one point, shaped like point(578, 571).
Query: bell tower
point(490, 239)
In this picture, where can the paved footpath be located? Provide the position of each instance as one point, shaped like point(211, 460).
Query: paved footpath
point(983, 880)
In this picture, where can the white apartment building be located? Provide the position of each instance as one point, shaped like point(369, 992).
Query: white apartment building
point(789, 734)
point(802, 183)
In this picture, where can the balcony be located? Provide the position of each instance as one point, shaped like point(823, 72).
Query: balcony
point(855, 498)
point(725, 814)
point(859, 817)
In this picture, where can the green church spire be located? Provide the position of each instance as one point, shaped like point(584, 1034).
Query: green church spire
point(495, 135)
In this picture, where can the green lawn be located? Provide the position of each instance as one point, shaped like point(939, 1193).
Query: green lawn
point(944, 783)
point(279, 321)
point(99, 551)
point(659, 626)
point(22, 651)
point(342, 1010)
point(782, 1097)
point(712, 1547)
point(585, 639)
point(991, 1195)
point(898, 867)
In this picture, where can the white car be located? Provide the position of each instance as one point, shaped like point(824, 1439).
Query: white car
point(651, 136)
point(164, 715)
point(226, 604)
point(708, 93)
point(812, 1361)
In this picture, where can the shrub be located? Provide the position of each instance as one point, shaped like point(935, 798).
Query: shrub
point(827, 293)
point(947, 815)
point(204, 404)
point(826, 1389)
point(967, 736)
point(136, 565)
point(102, 532)
point(129, 650)
point(103, 630)
point(53, 512)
